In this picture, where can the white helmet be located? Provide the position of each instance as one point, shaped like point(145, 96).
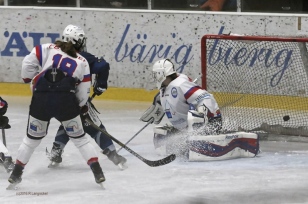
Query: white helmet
point(76, 35)
point(162, 69)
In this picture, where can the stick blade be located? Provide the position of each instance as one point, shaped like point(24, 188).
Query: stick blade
point(162, 162)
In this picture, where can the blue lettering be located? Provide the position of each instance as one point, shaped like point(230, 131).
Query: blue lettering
point(36, 38)
point(53, 36)
point(281, 59)
point(284, 64)
point(16, 42)
point(138, 52)
point(118, 49)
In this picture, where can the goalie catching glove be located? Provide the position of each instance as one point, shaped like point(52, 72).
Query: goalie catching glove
point(155, 112)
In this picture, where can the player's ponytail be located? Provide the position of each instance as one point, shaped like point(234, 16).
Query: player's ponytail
point(67, 47)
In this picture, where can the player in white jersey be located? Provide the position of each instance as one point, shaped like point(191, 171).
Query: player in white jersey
point(5, 157)
point(100, 68)
point(195, 132)
point(60, 90)
point(188, 107)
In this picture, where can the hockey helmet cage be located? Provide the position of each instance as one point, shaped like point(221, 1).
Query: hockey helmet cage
point(162, 69)
point(76, 35)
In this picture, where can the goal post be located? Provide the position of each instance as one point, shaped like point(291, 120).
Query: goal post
point(260, 82)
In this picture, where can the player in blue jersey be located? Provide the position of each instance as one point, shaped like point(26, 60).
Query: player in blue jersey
point(100, 68)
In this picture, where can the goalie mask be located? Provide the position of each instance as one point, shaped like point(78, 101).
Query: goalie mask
point(76, 35)
point(162, 69)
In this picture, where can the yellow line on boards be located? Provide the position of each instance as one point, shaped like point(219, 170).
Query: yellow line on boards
point(223, 99)
point(112, 93)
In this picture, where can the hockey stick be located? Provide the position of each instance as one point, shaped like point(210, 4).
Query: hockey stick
point(156, 163)
point(3, 137)
point(148, 123)
point(92, 97)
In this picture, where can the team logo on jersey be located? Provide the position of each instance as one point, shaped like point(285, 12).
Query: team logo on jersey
point(174, 92)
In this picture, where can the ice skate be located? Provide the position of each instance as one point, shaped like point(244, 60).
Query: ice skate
point(7, 162)
point(98, 173)
point(117, 159)
point(15, 177)
point(55, 155)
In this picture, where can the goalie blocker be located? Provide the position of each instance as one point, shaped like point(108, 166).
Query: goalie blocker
point(155, 112)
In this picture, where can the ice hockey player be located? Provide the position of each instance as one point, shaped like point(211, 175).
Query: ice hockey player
point(100, 68)
point(60, 90)
point(192, 112)
point(5, 157)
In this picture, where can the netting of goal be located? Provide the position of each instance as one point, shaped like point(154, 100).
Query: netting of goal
point(258, 81)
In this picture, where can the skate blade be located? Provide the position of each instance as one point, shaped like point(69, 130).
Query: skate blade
point(12, 186)
point(122, 166)
point(53, 165)
point(102, 186)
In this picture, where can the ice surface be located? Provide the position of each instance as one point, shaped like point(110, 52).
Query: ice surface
point(278, 175)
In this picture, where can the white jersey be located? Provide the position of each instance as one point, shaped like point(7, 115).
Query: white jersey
point(180, 96)
point(48, 56)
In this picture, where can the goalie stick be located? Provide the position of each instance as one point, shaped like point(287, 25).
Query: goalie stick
point(148, 123)
point(156, 163)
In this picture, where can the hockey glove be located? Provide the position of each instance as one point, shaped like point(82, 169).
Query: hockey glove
point(84, 114)
point(3, 106)
point(4, 122)
point(155, 112)
point(98, 88)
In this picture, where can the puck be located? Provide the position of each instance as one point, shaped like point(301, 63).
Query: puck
point(286, 118)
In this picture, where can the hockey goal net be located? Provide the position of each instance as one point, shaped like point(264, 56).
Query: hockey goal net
point(259, 82)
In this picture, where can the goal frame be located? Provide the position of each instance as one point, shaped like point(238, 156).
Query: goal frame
point(248, 108)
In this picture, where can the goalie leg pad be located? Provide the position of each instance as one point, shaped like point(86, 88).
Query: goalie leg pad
point(169, 140)
point(160, 139)
point(223, 146)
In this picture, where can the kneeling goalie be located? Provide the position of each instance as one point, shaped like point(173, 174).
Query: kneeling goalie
point(195, 132)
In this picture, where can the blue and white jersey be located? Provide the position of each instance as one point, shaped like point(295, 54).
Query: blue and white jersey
point(178, 97)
